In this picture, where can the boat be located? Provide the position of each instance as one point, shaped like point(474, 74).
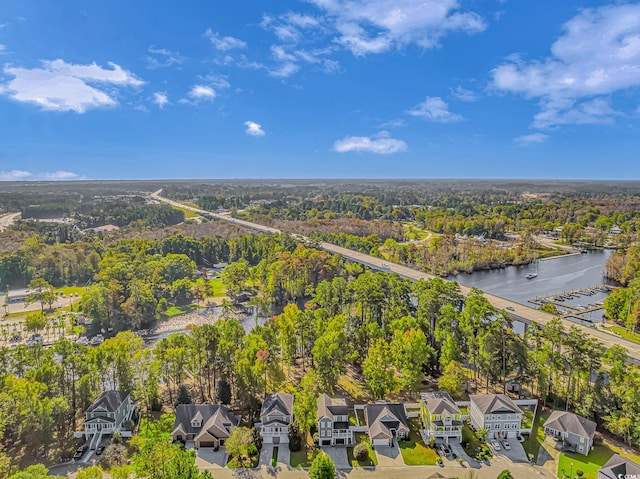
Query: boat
point(531, 275)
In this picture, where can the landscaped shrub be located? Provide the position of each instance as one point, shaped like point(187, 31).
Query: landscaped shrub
point(361, 452)
point(253, 450)
point(579, 472)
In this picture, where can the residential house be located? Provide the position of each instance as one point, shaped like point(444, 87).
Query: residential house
point(107, 413)
point(386, 421)
point(207, 425)
point(619, 467)
point(574, 431)
point(440, 416)
point(497, 413)
point(333, 422)
point(275, 416)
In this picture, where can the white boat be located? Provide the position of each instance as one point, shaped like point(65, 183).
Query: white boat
point(531, 275)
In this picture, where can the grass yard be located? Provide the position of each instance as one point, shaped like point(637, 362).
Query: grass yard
point(235, 464)
point(217, 287)
point(274, 456)
point(470, 442)
point(304, 457)
point(534, 441)
point(414, 232)
point(360, 414)
point(588, 464)
point(372, 460)
point(624, 333)
point(527, 419)
point(178, 310)
point(187, 213)
point(414, 451)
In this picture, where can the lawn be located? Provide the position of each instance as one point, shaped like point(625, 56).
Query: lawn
point(305, 455)
point(471, 443)
point(187, 213)
point(235, 464)
point(178, 310)
point(352, 388)
point(588, 464)
point(372, 460)
point(217, 287)
point(534, 441)
point(414, 451)
point(624, 333)
point(527, 419)
point(414, 232)
point(274, 456)
point(360, 414)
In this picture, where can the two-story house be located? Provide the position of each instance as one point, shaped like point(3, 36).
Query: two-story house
point(618, 467)
point(386, 422)
point(497, 413)
point(207, 425)
point(107, 413)
point(333, 422)
point(574, 431)
point(440, 416)
point(275, 416)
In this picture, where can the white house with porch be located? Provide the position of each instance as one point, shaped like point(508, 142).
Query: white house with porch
point(106, 416)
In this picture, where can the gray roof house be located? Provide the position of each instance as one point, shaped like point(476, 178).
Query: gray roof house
point(333, 421)
point(574, 431)
point(617, 467)
point(207, 425)
point(497, 413)
point(275, 416)
point(386, 421)
point(106, 415)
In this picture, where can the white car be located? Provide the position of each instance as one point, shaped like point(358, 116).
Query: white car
point(96, 340)
point(495, 444)
point(82, 341)
point(506, 445)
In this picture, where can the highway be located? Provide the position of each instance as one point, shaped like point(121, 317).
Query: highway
point(6, 220)
point(518, 312)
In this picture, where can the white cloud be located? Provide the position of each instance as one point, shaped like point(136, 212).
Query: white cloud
point(434, 109)
point(162, 58)
point(161, 99)
point(526, 140)
point(380, 144)
point(14, 175)
point(3, 49)
point(597, 55)
point(284, 70)
point(253, 128)
point(224, 43)
point(59, 175)
point(217, 81)
point(375, 26)
point(22, 175)
point(463, 94)
point(202, 92)
point(61, 86)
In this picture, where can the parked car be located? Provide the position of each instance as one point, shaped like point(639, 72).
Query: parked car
point(510, 308)
point(99, 449)
point(80, 452)
point(96, 340)
point(495, 444)
point(82, 341)
point(445, 449)
point(506, 445)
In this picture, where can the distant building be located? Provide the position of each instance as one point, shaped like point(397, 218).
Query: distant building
point(17, 295)
point(615, 230)
point(207, 425)
point(574, 431)
point(333, 422)
point(440, 416)
point(497, 413)
point(105, 229)
point(619, 467)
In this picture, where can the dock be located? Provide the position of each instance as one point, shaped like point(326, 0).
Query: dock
point(573, 311)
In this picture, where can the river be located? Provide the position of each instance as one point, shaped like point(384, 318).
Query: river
point(555, 276)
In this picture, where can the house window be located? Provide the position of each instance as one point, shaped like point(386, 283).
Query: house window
point(581, 441)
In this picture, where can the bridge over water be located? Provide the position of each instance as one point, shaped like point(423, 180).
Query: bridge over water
point(516, 311)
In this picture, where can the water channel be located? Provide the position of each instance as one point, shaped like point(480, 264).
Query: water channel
point(555, 276)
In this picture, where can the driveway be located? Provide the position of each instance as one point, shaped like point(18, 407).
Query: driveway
point(339, 456)
point(265, 454)
point(516, 453)
point(389, 455)
point(284, 454)
point(206, 457)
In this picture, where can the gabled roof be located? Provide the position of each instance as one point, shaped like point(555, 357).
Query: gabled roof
point(277, 402)
point(110, 401)
point(494, 403)
point(331, 407)
point(618, 466)
point(439, 402)
point(215, 419)
point(382, 417)
point(565, 421)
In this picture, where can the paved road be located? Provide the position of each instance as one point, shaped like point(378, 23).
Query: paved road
point(517, 311)
point(6, 220)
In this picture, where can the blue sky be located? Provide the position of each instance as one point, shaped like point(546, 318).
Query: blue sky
point(319, 88)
